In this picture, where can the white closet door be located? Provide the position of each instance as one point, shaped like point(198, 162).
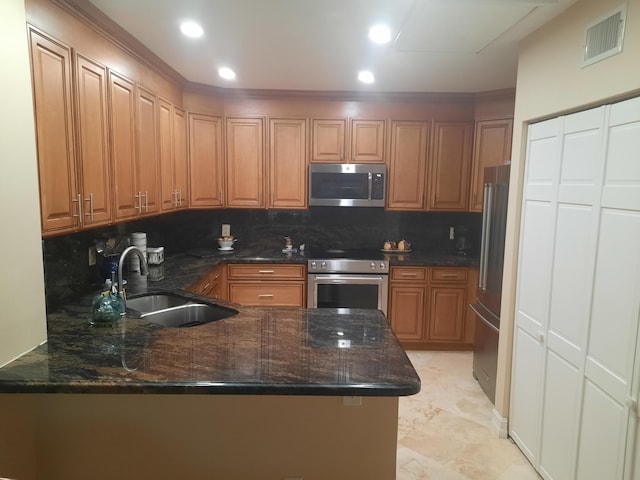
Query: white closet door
point(607, 441)
point(582, 165)
point(576, 360)
point(534, 279)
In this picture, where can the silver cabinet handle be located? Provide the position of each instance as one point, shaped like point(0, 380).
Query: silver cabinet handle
point(78, 200)
point(90, 200)
point(265, 295)
point(139, 201)
point(266, 271)
point(408, 274)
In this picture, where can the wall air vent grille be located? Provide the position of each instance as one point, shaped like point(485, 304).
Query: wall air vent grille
point(604, 37)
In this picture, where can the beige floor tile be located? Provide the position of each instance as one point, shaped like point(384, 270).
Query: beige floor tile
point(445, 432)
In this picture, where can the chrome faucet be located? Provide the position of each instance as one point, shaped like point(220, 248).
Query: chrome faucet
point(144, 269)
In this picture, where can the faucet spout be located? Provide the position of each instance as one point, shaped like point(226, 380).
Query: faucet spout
point(144, 269)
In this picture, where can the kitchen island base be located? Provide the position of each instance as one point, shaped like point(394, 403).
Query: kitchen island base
point(128, 436)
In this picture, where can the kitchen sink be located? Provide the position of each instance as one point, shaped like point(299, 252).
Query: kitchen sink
point(189, 315)
point(155, 302)
point(171, 310)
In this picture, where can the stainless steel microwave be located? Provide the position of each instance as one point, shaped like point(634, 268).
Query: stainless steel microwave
point(347, 184)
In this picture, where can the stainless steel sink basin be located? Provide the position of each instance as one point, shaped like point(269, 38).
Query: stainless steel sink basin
point(155, 302)
point(189, 315)
point(171, 310)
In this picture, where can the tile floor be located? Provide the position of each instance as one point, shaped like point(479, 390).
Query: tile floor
point(445, 433)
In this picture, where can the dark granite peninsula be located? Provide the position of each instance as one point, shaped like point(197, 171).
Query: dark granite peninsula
point(267, 393)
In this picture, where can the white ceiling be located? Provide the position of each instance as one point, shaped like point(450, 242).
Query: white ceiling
point(437, 46)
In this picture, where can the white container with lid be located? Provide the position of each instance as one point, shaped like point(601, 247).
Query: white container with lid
point(155, 255)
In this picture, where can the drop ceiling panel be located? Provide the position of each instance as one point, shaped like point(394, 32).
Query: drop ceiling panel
point(457, 26)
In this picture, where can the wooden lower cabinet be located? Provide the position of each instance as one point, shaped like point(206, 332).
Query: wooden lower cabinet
point(428, 307)
point(212, 285)
point(267, 285)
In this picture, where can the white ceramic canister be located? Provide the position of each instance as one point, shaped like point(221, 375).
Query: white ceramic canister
point(155, 255)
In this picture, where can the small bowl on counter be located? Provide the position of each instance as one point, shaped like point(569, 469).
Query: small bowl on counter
point(226, 243)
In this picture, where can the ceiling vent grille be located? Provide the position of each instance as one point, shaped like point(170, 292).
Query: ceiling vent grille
point(604, 37)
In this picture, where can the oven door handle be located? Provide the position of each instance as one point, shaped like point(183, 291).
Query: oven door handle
point(350, 278)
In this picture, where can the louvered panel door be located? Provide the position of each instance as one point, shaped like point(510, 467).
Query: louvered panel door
point(534, 279)
point(576, 366)
point(608, 437)
point(578, 195)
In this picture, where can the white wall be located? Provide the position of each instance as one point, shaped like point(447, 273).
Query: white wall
point(551, 82)
point(22, 303)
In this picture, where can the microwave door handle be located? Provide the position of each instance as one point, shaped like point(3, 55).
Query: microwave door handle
point(370, 183)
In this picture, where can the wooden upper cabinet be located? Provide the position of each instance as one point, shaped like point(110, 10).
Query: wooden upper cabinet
point(147, 164)
point(60, 203)
point(287, 163)
point(123, 147)
point(245, 162)
point(333, 143)
point(328, 140)
point(206, 161)
point(180, 157)
point(449, 166)
point(367, 141)
point(492, 146)
point(165, 151)
point(73, 146)
point(93, 145)
point(407, 165)
point(172, 133)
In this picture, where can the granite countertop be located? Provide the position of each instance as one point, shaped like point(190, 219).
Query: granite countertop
point(289, 351)
point(292, 351)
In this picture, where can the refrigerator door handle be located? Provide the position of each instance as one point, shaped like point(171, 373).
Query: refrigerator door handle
point(487, 203)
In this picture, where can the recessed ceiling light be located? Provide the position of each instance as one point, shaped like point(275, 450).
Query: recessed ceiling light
point(226, 73)
point(380, 34)
point(365, 76)
point(191, 29)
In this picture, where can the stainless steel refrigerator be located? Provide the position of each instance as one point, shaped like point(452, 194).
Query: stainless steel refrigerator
point(489, 293)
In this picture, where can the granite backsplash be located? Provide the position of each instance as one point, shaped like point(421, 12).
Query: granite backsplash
point(67, 273)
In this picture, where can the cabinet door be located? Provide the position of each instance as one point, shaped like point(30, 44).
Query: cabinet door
point(447, 310)
point(449, 166)
point(180, 157)
point(367, 141)
point(406, 310)
point(407, 165)
point(328, 140)
point(51, 71)
point(288, 163)
point(492, 146)
point(148, 166)
point(206, 172)
point(122, 98)
point(168, 199)
point(93, 145)
point(245, 162)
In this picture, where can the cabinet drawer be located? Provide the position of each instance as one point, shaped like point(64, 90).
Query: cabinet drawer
point(408, 273)
point(267, 294)
point(449, 274)
point(266, 272)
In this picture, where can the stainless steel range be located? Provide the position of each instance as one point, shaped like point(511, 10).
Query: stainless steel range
point(347, 279)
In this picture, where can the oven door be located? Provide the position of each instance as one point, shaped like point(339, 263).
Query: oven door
point(340, 290)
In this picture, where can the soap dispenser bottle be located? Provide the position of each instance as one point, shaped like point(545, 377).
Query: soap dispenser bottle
point(108, 306)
